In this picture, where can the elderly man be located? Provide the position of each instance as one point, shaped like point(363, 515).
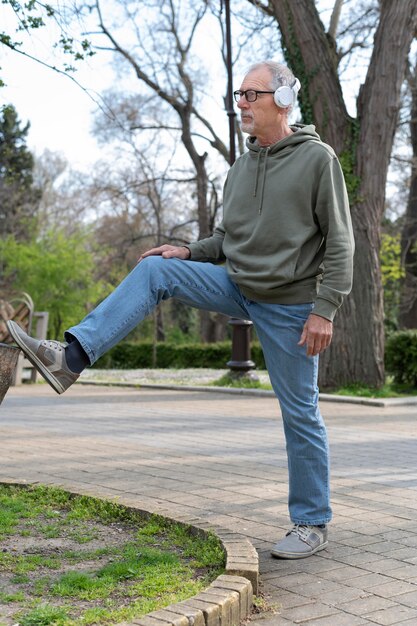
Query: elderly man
point(282, 257)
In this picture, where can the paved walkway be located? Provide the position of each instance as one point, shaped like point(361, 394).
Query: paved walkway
point(221, 457)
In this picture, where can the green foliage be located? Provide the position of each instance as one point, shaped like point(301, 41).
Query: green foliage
point(294, 59)
point(44, 615)
point(8, 520)
point(129, 355)
point(390, 256)
point(401, 356)
point(82, 585)
point(58, 271)
point(19, 198)
point(16, 162)
point(392, 273)
point(347, 160)
point(388, 390)
point(33, 15)
point(78, 50)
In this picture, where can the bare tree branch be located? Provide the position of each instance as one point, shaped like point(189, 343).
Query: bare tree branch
point(335, 18)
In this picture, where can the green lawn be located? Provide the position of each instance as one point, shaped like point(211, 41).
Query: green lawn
point(76, 560)
point(389, 390)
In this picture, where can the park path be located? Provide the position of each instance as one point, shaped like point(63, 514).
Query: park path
point(221, 457)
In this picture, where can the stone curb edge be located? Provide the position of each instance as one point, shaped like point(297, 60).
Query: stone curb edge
point(324, 397)
point(229, 598)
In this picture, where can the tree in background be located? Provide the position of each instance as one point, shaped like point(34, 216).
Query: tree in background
point(58, 271)
point(142, 199)
point(408, 301)
point(159, 52)
point(19, 197)
point(66, 201)
point(146, 192)
point(170, 89)
point(363, 144)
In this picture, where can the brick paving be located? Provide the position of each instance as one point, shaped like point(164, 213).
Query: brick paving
point(221, 458)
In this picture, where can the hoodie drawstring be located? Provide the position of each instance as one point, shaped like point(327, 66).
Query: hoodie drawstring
point(255, 188)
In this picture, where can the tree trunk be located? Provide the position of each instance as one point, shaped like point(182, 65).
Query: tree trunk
point(159, 324)
point(378, 106)
point(199, 162)
point(204, 218)
point(408, 295)
point(312, 57)
point(8, 363)
point(357, 351)
point(213, 327)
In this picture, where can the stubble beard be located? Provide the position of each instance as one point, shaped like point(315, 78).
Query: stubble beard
point(247, 125)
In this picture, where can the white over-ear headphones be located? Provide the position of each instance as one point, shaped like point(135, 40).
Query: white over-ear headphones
point(285, 96)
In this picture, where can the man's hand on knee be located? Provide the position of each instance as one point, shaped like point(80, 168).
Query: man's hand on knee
point(167, 252)
point(317, 334)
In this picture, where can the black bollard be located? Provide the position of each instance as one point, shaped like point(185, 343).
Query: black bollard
point(240, 363)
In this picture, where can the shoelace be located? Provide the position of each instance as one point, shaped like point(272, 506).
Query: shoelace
point(53, 345)
point(301, 531)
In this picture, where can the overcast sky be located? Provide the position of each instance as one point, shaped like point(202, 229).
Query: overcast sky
point(59, 111)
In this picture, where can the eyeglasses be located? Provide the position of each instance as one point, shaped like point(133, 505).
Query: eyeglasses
point(251, 95)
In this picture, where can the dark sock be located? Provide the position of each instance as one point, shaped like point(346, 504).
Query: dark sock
point(321, 526)
point(75, 356)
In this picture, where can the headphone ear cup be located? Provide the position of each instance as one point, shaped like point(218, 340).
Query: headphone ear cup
point(284, 96)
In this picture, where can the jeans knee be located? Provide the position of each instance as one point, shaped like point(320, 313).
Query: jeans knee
point(149, 262)
point(160, 276)
point(154, 268)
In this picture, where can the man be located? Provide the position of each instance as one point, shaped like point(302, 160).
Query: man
point(287, 244)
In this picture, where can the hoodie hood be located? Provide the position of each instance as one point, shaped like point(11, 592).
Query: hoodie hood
point(300, 134)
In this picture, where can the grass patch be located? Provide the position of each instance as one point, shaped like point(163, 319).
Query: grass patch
point(389, 390)
point(76, 560)
point(44, 615)
point(239, 382)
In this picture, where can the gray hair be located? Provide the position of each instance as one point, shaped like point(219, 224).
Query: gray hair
point(280, 74)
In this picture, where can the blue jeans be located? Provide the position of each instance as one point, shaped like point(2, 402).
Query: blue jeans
point(293, 374)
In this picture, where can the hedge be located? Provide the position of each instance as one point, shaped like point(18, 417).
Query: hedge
point(129, 355)
point(401, 356)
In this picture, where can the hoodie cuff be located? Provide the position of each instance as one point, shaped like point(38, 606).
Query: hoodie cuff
point(195, 253)
point(325, 308)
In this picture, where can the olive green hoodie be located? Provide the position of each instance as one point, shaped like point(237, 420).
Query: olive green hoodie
point(286, 234)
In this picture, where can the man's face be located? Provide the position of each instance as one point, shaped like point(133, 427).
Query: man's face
point(258, 118)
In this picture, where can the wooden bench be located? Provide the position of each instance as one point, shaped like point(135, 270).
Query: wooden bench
point(20, 309)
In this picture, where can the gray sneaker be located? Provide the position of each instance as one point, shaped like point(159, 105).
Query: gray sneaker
point(47, 356)
point(300, 542)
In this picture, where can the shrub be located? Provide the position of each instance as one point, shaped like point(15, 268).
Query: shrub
point(129, 355)
point(401, 356)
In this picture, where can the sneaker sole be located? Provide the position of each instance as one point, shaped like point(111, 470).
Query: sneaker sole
point(49, 377)
point(298, 555)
